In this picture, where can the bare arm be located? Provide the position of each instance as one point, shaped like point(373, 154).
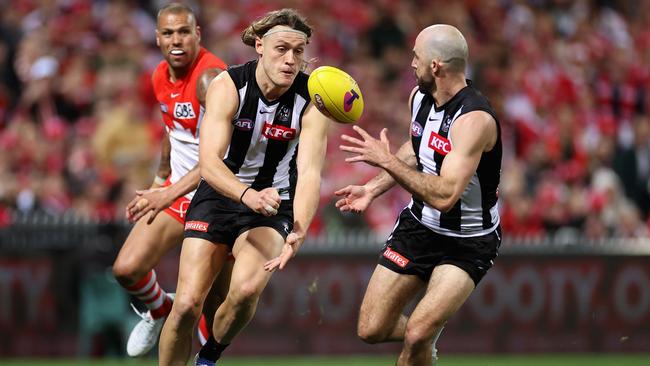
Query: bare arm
point(383, 181)
point(164, 167)
point(204, 81)
point(311, 155)
point(472, 134)
point(216, 129)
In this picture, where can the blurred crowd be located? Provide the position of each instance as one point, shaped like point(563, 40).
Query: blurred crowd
point(570, 80)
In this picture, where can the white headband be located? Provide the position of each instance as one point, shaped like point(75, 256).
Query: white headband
point(284, 28)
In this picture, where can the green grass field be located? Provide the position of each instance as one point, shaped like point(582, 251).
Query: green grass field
point(451, 360)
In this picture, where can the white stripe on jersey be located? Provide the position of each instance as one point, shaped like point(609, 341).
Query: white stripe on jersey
point(184, 153)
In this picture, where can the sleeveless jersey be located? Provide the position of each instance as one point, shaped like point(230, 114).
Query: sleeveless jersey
point(476, 212)
point(264, 142)
point(182, 112)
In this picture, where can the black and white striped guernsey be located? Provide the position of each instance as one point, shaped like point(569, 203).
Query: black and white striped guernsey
point(264, 143)
point(476, 212)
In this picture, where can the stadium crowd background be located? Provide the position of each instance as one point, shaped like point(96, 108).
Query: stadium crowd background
point(570, 80)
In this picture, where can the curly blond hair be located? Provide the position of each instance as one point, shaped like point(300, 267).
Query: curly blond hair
point(289, 17)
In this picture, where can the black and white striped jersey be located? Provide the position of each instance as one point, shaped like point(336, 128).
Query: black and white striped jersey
point(264, 143)
point(476, 212)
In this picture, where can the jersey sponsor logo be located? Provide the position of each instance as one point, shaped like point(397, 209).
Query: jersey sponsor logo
point(395, 257)
point(280, 133)
point(440, 144)
point(416, 129)
point(196, 226)
point(243, 124)
point(184, 111)
point(349, 99)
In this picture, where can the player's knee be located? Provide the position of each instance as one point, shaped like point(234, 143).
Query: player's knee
point(127, 273)
point(370, 333)
point(247, 293)
point(186, 310)
point(417, 337)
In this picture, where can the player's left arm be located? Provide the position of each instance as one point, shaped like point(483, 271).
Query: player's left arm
point(204, 81)
point(472, 134)
point(311, 155)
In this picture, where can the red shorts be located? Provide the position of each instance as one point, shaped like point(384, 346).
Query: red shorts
point(178, 209)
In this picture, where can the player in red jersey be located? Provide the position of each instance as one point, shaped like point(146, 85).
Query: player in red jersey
point(180, 82)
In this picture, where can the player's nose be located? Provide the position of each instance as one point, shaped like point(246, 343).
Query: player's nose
point(290, 57)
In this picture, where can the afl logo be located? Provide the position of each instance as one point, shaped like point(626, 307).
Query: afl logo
point(416, 129)
point(243, 124)
point(319, 102)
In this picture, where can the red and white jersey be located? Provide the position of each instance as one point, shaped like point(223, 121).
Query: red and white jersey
point(182, 113)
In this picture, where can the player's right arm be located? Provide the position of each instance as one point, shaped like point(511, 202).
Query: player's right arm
point(221, 103)
point(358, 198)
point(164, 167)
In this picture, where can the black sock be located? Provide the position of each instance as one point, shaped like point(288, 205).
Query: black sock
point(212, 349)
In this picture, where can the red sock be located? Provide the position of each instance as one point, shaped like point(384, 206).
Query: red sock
point(152, 295)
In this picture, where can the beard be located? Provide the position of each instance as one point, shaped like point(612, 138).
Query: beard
point(427, 86)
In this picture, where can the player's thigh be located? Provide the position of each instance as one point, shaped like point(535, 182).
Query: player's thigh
point(147, 243)
point(448, 288)
point(200, 262)
point(387, 294)
point(252, 249)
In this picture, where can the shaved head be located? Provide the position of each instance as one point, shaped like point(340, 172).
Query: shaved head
point(445, 43)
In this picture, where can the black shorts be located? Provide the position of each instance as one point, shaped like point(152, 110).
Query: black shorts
point(216, 218)
point(414, 249)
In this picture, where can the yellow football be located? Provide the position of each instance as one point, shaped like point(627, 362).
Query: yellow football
point(335, 94)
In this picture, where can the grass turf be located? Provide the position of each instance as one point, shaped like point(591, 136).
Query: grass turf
point(449, 360)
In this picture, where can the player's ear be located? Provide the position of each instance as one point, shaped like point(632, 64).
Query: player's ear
point(259, 47)
point(198, 33)
point(157, 38)
point(435, 67)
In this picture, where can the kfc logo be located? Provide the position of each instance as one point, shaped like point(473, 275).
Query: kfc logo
point(440, 144)
point(277, 132)
point(395, 258)
point(196, 226)
point(243, 124)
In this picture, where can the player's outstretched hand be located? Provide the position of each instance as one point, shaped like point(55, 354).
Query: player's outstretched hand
point(353, 199)
point(367, 149)
point(265, 202)
point(150, 201)
point(289, 249)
